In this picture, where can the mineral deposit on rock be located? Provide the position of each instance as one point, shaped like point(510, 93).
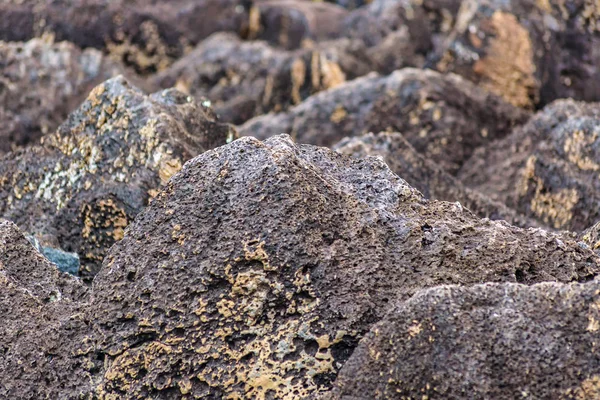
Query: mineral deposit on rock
point(84, 184)
point(547, 169)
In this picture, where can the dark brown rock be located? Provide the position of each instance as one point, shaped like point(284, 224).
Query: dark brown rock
point(546, 169)
point(145, 34)
point(294, 23)
point(426, 22)
point(255, 274)
point(41, 83)
point(527, 51)
point(259, 268)
point(444, 117)
point(40, 323)
point(85, 183)
point(426, 176)
point(244, 79)
point(494, 341)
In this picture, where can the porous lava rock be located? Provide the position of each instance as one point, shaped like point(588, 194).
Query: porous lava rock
point(41, 83)
point(527, 51)
point(41, 323)
point(443, 116)
point(546, 169)
point(488, 341)
point(261, 265)
point(145, 34)
point(426, 176)
point(83, 184)
point(244, 79)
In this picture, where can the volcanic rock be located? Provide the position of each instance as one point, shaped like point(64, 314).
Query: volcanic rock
point(40, 323)
point(445, 118)
point(41, 83)
point(426, 176)
point(145, 34)
point(546, 169)
point(527, 51)
point(493, 341)
point(244, 79)
point(85, 183)
point(257, 270)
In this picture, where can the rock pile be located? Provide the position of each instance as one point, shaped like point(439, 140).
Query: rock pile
point(406, 206)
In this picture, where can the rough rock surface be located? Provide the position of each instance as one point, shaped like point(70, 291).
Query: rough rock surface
point(244, 79)
point(426, 176)
point(146, 34)
point(40, 323)
point(444, 117)
point(254, 274)
point(493, 341)
point(82, 185)
point(258, 269)
point(40, 83)
point(528, 51)
point(546, 169)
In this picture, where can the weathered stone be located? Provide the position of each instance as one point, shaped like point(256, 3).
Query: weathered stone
point(40, 324)
point(259, 268)
point(493, 341)
point(292, 23)
point(146, 34)
point(40, 83)
point(444, 117)
point(244, 79)
point(546, 169)
point(86, 182)
point(426, 176)
point(529, 52)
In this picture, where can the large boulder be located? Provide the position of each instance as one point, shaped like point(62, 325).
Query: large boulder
point(145, 34)
point(83, 184)
point(445, 118)
point(546, 169)
point(493, 341)
point(527, 51)
point(261, 265)
point(427, 176)
point(41, 83)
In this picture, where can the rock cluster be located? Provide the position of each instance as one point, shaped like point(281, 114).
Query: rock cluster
point(297, 199)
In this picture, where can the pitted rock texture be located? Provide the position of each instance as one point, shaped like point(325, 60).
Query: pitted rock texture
point(145, 34)
point(41, 83)
point(493, 341)
point(84, 184)
point(546, 169)
point(245, 79)
point(529, 52)
point(426, 176)
point(261, 265)
point(444, 117)
point(41, 323)
point(292, 24)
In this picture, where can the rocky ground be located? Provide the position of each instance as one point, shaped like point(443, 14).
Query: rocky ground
point(296, 199)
